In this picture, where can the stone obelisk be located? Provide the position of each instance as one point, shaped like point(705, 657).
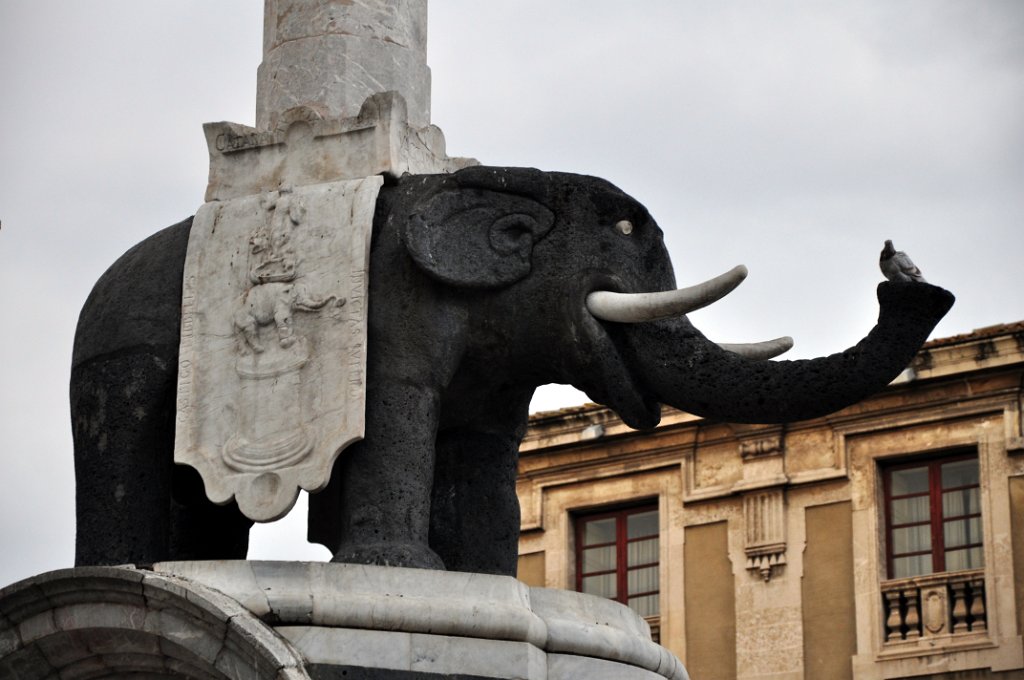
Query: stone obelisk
point(331, 56)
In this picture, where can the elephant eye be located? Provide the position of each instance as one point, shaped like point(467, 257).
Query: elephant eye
point(624, 227)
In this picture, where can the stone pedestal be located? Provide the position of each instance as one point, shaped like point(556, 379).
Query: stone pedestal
point(304, 148)
point(293, 620)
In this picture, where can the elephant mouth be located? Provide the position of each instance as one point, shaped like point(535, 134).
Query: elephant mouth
point(606, 376)
point(610, 317)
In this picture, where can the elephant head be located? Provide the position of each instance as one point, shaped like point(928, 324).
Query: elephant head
point(582, 282)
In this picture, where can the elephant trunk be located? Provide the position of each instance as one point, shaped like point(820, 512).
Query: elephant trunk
point(680, 367)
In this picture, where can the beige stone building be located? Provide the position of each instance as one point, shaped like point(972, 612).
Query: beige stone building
point(883, 541)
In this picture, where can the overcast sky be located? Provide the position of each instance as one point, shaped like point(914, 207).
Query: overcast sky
point(790, 137)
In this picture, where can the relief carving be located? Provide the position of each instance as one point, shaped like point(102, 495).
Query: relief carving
point(273, 264)
point(757, 448)
point(274, 341)
point(934, 611)
point(272, 435)
point(758, 441)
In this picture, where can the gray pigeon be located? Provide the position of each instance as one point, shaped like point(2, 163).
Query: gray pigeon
point(897, 265)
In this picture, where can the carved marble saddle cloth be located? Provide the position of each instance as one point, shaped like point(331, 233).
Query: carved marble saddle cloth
point(273, 341)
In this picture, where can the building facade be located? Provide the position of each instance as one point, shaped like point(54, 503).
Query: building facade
point(882, 541)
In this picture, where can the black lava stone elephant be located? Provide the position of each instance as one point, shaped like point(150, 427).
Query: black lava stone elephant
point(483, 285)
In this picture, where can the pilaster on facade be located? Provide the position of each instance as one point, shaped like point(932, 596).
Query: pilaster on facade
point(764, 520)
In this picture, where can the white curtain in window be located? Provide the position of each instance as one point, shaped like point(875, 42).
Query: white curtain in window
point(964, 558)
point(960, 502)
point(645, 605)
point(642, 580)
point(911, 539)
point(914, 565)
point(643, 552)
point(962, 532)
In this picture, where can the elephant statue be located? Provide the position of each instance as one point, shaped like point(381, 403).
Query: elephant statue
point(483, 285)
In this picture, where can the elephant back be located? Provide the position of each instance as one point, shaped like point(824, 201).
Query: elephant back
point(137, 301)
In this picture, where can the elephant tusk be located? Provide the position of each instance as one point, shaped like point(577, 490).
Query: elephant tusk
point(759, 351)
point(637, 307)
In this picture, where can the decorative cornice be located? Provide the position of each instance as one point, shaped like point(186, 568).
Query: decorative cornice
point(760, 448)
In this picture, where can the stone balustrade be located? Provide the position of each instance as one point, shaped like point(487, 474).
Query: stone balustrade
point(944, 605)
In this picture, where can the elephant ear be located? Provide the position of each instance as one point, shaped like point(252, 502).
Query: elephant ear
point(481, 232)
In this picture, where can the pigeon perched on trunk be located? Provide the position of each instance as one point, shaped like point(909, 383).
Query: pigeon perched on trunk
point(897, 265)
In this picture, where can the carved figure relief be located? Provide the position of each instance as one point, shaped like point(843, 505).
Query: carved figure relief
point(935, 611)
point(273, 265)
point(271, 437)
point(274, 407)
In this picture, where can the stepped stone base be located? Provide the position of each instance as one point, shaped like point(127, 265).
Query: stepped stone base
point(294, 620)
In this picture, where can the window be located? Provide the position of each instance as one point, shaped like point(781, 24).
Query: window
point(933, 516)
point(617, 557)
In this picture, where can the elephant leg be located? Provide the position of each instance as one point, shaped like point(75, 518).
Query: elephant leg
point(283, 320)
point(200, 529)
point(474, 520)
point(134, 506)
point(245, 325)
point(386, 479)
point(122, 408)
point(250, 337)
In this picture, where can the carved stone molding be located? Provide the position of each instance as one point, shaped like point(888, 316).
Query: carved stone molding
point(305, 148)
point(758, 448)
point(759, 441)
point(761, 450)
point(764, 519)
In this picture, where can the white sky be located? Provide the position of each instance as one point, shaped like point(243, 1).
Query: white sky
point(790, 137)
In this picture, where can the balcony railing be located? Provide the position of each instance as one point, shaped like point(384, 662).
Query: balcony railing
point(945, 605)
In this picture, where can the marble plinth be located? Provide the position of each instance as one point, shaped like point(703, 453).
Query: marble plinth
point(293, 620)
point(306, 147)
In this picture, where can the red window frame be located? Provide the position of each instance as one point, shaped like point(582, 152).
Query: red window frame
point(936, 520)
point(621, 543)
